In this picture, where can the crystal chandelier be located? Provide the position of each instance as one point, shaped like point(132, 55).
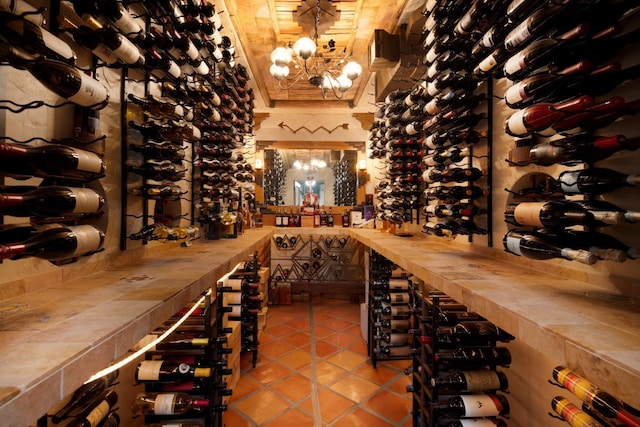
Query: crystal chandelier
point(320, 70)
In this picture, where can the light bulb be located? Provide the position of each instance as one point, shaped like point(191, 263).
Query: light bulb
point(304, 47)
point(344, 83)
point(279, 73)
point(281, 56)
point(352, 70)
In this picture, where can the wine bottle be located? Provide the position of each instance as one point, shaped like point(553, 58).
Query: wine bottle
point(23, 9)
point(89, 39)
point(57, 243)
point(84, 395)
point(554, 214)
point(171, 130)
point(159, 170)
point(483, 380)
point(438, 229)
point(35, 40)
point(164, 150)
point(474, 357)
point(49, 161)
point(572, 414)
point(160, 192)
point(538, 117)
point(580, 147)
point(98, 413)
point(474, 405)
point(479, 330)
point(601, 401)
point(49, 201)
point(167, 404)
point(60, 78)
point(456, 192)
point(536, 23)
point(168, 370)
point(604, 246)
point(594, 181)
point(476, 422)
point(124, 49)
point(111, 420)
point(602, 209)
point(535, 246)
point(391, 351)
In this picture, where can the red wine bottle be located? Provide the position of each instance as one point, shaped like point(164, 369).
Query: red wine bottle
point(160, 192)
point(601, 401)
point(59, 77)
point(602, 245)
point(535, 246)
point(474, 357)
point(85, 395)
point(594, 181)
point(164, 150)
point(57, 243)
point(24, 9)
point(539, 117)
point(89, 39)
point(473, 405)
point(552, 214)
point(483, 380)
point(535, 24)
point(159, 170)
point(598, 115)
point(168, 370)
point(167, 404)
point(49, 161)
point(603, 209)
point(581, 147)
point(98, 413)
point(49, 201)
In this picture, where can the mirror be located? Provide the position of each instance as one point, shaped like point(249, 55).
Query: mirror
point(294, 177)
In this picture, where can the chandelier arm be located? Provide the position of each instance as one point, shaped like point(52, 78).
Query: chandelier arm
point(294, 80)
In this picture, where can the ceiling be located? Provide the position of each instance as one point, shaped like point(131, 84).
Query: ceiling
point(263, 25)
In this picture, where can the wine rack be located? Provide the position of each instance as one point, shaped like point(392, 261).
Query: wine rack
point(275, 177)
point(345, 183)
point(206, 322)
point(578, 62)
point(389, 302)
point(242, 301)
point(48, 160)
point(434, 356)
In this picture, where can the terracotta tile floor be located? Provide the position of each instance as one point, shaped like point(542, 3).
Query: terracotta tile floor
point(313, 371)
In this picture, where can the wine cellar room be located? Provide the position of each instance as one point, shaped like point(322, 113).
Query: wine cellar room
point(319, 213)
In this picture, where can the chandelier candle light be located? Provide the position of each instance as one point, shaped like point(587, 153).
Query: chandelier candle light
point(321, 71)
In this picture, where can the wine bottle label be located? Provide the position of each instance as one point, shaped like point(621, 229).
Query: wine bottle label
point(481, 380)
point(580, 387)
point(202, 68)
point(569, 182)
point(174, 70)
point(197, 134)
point(127, 51)
point(488, 64)
point(518, 35)
point(398, 284)
point(432, 89)
point(479, 405)
point(515, 63)
point(24, 9)
point(515, 124)
point(431, 55)
point(91, 93)
point(149, 370)
point(192, 51)
point(164, 404)
point(430, 23)
point(529, 213)
point(126, 23)
point(397, 298)
point(514, 94)
point(432, 107)
point(105, 54)
point(233, 297)
point(513, 245)
point(88, 239)
point(98, 413)
point(88, 161)
point(41, 36)
point(431, 37)
point(487, 39)
point(87, 201)
point(572, 414)
point(430, 5)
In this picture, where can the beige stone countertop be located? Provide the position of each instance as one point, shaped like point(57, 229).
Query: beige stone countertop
point(54, 339)
point(569, 320)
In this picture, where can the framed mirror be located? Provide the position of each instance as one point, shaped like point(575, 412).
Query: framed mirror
point(291, 176)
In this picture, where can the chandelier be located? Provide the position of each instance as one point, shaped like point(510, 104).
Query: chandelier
point(321, 70)
point(312, 165)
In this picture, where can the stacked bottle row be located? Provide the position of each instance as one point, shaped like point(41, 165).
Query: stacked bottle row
point(184, 374)
point(91, 404)
point(388, 301)
point(455, 365)
point(61, 218)
point(455, 143)
point(565, 66)
point(196, 101)
point(242, 302)
point(275, 177)
point(598, 409)
point(345, 183)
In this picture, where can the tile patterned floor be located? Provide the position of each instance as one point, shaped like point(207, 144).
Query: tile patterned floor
point(313, 371)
